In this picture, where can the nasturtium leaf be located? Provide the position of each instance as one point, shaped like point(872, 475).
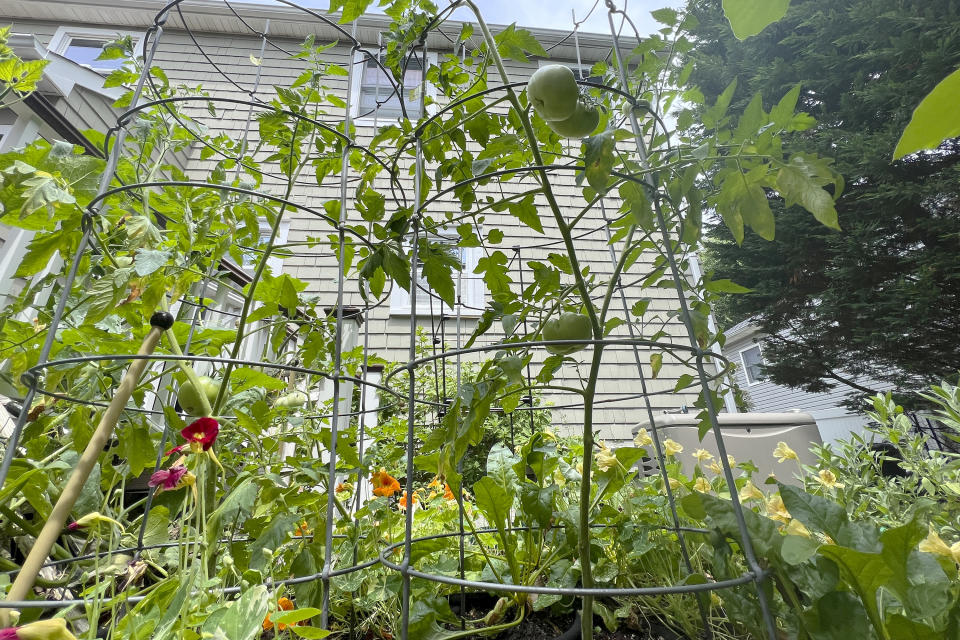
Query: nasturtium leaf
point(798, 549)
point(245, 620)
point(750, 17)
point(934, 120)
point(295, 615)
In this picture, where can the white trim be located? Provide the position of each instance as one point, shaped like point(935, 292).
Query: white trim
point(64, 34)
point(359, 63)
point(743, 362)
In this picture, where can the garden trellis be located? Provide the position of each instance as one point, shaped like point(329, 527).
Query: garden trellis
point(350, 223)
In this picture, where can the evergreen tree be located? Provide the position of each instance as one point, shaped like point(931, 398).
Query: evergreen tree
point(882, 297)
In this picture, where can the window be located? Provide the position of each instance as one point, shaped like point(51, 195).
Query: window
point(275, 262)
point(752, 359)
point(8, 118)
point(374, 95)
point(84, 46)
point(580, 71)
point(469, 289)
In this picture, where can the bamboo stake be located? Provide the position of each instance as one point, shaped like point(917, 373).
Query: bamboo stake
point(53, 527)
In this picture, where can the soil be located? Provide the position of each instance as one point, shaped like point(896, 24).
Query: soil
point(543, 625)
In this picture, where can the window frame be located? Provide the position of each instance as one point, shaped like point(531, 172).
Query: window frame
point(61, 39)
point(746, 369)
point(359, 64)
point(468, 288)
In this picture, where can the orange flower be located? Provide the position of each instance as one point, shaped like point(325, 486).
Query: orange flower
point(384, 484)
point(435, 483)
point(302, 529)
point(447, 493)
point(283, 604)
point(403, 500)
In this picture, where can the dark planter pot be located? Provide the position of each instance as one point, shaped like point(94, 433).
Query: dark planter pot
point(480, 602)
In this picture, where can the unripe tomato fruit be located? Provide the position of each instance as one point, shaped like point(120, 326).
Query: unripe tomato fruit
point(582, 123)
point(291, 400)
point(553, 92)
point(189, 397)
point(569, 326)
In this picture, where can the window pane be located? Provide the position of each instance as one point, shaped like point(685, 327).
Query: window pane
point(376, 87)
point(86, 50)
point(753, 363)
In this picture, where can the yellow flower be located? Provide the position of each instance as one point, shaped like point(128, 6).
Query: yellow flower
point(776, 510)
point(731, 461)
point(606, 459)
point(828, 479)
point(702, 455)
point(751, 492)
point(715, 600)
point(643, 438)
point(51, 629)
point(702, 485)
point(933, 543)
point(784, 453)
point(796, 528)
point(672, 448)
point(675, 484)
point(716, 468)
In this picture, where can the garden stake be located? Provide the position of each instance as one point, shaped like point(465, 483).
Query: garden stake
point(53, 527)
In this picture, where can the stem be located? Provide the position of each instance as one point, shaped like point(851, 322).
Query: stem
point(53, 527)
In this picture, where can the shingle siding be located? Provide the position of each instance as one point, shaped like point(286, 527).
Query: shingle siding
point(834, 420)
point(389, 335)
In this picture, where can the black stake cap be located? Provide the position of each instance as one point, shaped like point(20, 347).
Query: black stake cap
point(161, 319)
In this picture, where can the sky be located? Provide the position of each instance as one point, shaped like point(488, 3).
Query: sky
point(553, 14)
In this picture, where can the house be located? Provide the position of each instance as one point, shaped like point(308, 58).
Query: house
point(744, 348)
point(242, 51)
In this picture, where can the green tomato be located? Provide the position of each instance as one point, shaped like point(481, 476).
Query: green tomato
point(553, 92)
point(569, 326)
point(291, 400)
point(189, 397)
point(582, 123)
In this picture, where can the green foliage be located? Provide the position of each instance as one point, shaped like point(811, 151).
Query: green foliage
point(876, 300)
point(934, 120)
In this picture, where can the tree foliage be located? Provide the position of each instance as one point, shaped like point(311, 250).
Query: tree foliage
point(881, 297)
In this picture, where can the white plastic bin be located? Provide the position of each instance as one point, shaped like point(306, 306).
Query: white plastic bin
point(747, 436)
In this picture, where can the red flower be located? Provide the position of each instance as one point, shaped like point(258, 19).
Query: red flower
point(172, 478)
point(199, 434)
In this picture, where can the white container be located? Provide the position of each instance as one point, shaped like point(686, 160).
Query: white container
point(747, 437)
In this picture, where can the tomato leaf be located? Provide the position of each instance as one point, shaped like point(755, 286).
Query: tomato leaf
point(750, 17)
point(934, 120)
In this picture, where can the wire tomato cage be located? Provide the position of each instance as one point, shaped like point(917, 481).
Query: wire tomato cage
point(266, 186)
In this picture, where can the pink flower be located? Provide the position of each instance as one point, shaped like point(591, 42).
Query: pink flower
point(52, 629)
point(200, 436)
point(170, 479)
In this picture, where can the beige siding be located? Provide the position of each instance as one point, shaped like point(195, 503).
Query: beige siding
point(389, 335)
